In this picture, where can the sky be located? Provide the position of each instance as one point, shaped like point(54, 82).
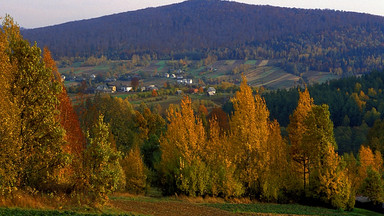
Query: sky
point(40, 13)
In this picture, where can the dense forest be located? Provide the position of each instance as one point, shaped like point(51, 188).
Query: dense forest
point(103, 144)
point(343, 43)
point(355, 103)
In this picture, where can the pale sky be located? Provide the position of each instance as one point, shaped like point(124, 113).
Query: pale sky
point(39, 13)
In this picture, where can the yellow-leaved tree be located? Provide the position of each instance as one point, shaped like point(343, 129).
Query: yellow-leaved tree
point(250, 133)
point(9, 140)
point(217, 156)
point(370, 181)
point(182, 168)
point(135, 171)
point(34, 94)
point(296, 129)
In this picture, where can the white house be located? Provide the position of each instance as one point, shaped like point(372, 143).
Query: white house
point(126, 88)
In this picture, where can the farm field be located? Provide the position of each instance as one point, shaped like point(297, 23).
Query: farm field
point(258, 72)
point(128, 205)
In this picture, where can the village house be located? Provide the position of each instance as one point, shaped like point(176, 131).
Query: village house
point(211, 91)
point(126, 88)
point(105, 89)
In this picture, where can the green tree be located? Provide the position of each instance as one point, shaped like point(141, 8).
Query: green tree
point(373, 186)
point(103, 173)
point(328, 179)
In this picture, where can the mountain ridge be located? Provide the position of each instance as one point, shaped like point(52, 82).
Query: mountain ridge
point(198, 27)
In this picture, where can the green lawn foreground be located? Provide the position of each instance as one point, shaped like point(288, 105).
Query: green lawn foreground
point(287, 209)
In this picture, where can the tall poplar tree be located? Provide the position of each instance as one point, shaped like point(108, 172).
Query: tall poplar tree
point(296, 129)
point(250, 131)
point(182, 168)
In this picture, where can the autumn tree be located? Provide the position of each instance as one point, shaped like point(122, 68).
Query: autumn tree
point(117, 112)
point(250, 129)
point(368, 160)
point(277, 177)
point(154, 93)
point(373, 186)
point(135, 83)
point(221, 117)
point(75, 139)
point(296, 129)
point(135, 171)
point(34, 92)
point(150, 125)
point(9, 114)
point(182, 168)
point(216, 154)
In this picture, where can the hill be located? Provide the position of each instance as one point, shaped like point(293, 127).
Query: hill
point(343, 43)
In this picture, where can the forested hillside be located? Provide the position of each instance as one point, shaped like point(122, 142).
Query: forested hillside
point(300, 40)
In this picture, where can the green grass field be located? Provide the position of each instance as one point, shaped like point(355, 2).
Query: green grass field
point(161, 65)
point(288, 209)
point(251, 62)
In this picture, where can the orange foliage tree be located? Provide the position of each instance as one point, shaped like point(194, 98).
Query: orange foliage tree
point(69, 120)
